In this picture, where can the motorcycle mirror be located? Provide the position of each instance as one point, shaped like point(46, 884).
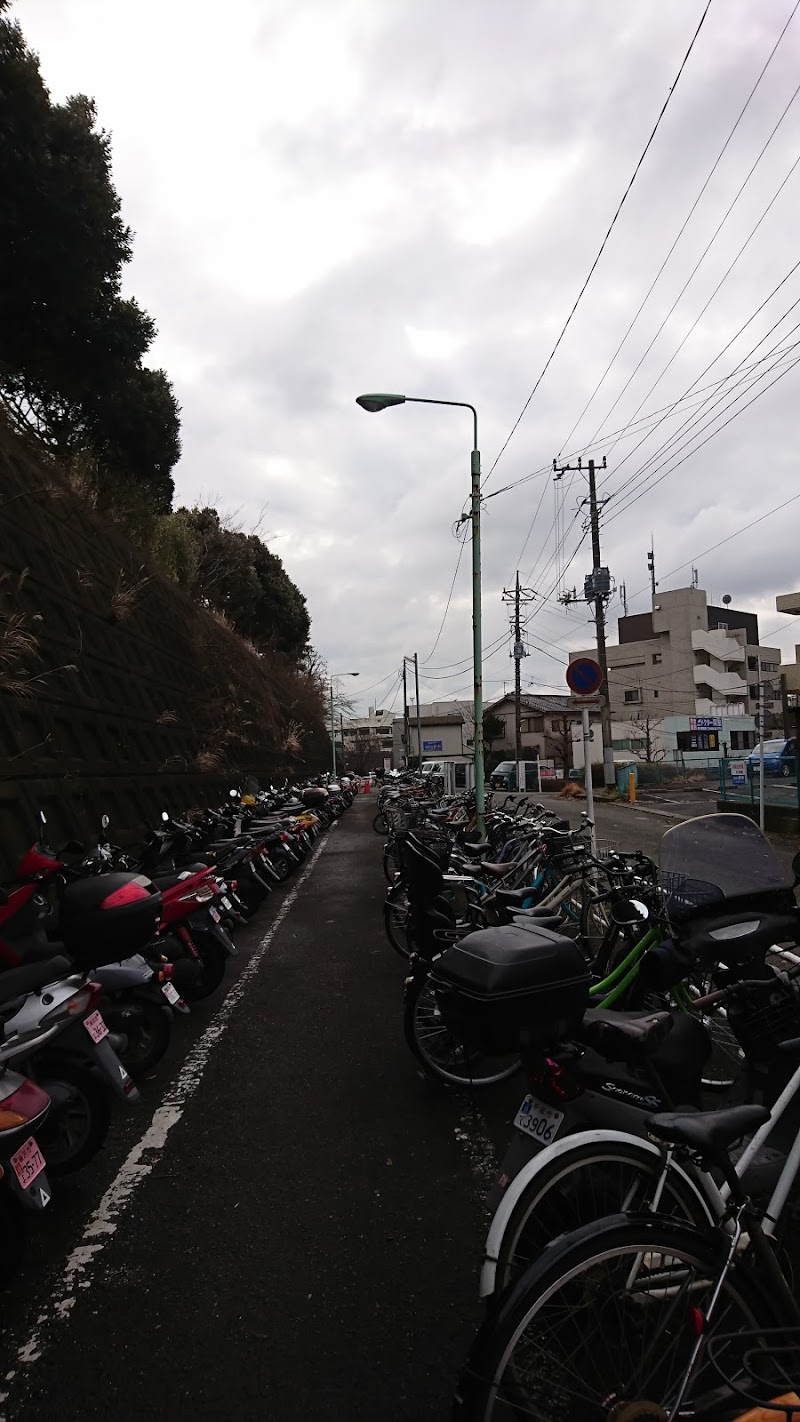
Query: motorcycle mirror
point(165, 817)
point(43, 817)
point(234, 794)
point(630, 911)
point(104, 822)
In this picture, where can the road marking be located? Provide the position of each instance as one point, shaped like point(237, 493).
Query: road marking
point(146, 1154)
point(473, 1134)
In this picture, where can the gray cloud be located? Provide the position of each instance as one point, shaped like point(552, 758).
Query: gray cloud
point(338, 195)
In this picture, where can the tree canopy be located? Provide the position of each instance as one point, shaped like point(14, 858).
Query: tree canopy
point(71, 347)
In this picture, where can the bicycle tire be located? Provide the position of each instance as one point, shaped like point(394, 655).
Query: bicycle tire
point(395, 919)
point(391, 862)
point(379, 824)
point(589, 1182)
point(440, 1053)
point(567, 1298)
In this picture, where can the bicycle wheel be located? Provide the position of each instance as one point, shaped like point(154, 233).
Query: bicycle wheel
point(395, 919)
point(442, 1055)
point(379, 824)
point(391, 861)
point(587, 1182)
point(604, 1327)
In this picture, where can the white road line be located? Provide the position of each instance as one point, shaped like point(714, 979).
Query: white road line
point(102, 1223)
point(473, 1135)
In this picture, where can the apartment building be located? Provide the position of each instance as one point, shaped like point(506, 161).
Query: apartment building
point(373, 730)
point(689, 658)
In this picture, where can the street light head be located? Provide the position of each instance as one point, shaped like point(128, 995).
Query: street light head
point(379, 402)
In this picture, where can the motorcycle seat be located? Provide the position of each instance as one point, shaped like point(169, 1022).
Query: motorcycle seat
point(710, 1133)
point(16, 981)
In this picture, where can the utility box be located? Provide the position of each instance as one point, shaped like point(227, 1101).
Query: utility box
point(623, 771)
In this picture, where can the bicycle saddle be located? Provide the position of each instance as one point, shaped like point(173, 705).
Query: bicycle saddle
point(710, 1133)
point(622, 1035)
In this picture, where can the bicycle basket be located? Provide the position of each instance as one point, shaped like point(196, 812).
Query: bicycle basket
point(762, 1367)
point(764, 1017)
point(683, 894)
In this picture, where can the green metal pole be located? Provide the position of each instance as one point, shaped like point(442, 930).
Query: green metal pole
point(477, 647)
point(333, 735)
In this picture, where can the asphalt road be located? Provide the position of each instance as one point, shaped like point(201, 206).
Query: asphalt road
point(296, 1232)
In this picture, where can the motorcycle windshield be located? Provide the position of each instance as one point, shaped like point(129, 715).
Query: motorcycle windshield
point(726, 851)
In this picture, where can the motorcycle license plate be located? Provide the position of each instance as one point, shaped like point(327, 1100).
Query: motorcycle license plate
point(28, 1162)
point(226, 903)
point(214, 914)
point(539, 1121)
point(171, 994)
point(96, 1027)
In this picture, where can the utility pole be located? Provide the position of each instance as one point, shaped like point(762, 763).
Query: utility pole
point(405, 713)
point(651, 568)
point(419, 713)
point(517, 595)
point(596, 589)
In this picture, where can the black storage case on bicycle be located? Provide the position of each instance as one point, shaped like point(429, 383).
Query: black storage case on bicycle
point(502, 989)
point(108, 916)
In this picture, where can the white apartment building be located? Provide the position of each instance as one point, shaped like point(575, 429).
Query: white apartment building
point(688, 659)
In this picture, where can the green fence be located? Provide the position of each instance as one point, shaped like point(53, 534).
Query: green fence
point(739, 783)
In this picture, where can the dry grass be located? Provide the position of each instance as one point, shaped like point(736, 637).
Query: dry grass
point(209, 760)
point(19, 645)
point(167, 718)
point(125, 596)
point(294, 736)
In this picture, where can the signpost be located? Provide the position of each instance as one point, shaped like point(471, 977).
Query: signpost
point(705, 723)
point(738, 770)
point(584, 679)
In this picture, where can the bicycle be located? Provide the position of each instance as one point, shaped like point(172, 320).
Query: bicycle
point(617, 1320)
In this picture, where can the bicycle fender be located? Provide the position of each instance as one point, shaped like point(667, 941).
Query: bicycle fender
point(519, 1184)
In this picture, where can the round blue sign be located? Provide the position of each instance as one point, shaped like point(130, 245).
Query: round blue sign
point(584, 677)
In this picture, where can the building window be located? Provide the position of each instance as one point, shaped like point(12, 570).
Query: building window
point(698, 740)
point(770, 666)
point(656, 658)
point(752, 663)
point(655, 693)
point(633, 697)
point(753, 692)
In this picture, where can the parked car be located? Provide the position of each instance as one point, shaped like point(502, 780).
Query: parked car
point(504, 775)
point(780, 757)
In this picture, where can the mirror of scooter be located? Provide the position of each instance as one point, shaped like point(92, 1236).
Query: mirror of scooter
point(165, 817)
point(104, 822)
point(234, 794)
point(43, 817)
point(628, 911)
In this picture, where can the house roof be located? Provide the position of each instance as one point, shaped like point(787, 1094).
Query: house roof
point(541, 704)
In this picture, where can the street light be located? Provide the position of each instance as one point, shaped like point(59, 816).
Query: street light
point(333, 726)
point(375, 402)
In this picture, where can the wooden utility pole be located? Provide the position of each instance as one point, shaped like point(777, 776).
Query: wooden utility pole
point(419, 713)
point(517, 596)
point(596, 590)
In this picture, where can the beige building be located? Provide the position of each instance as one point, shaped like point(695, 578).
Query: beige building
point(790, 671)
point(688, 658)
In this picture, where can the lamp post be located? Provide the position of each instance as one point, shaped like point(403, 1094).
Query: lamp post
point(376, 402)
point(333, 723)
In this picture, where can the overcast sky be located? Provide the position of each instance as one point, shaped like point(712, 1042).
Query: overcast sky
point(333, 196)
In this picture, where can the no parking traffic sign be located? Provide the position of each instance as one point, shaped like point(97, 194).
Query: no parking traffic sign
point(584, 677)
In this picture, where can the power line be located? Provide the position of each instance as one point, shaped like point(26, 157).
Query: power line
point(683, 227)
point(696, 268)
point(610, 229)
point(697, 447)
point(447, 606)
point(745, 528)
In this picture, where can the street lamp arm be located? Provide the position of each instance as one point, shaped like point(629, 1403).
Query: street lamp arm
point(457, 404)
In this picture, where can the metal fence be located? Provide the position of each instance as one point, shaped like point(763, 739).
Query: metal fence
point(739, 783)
